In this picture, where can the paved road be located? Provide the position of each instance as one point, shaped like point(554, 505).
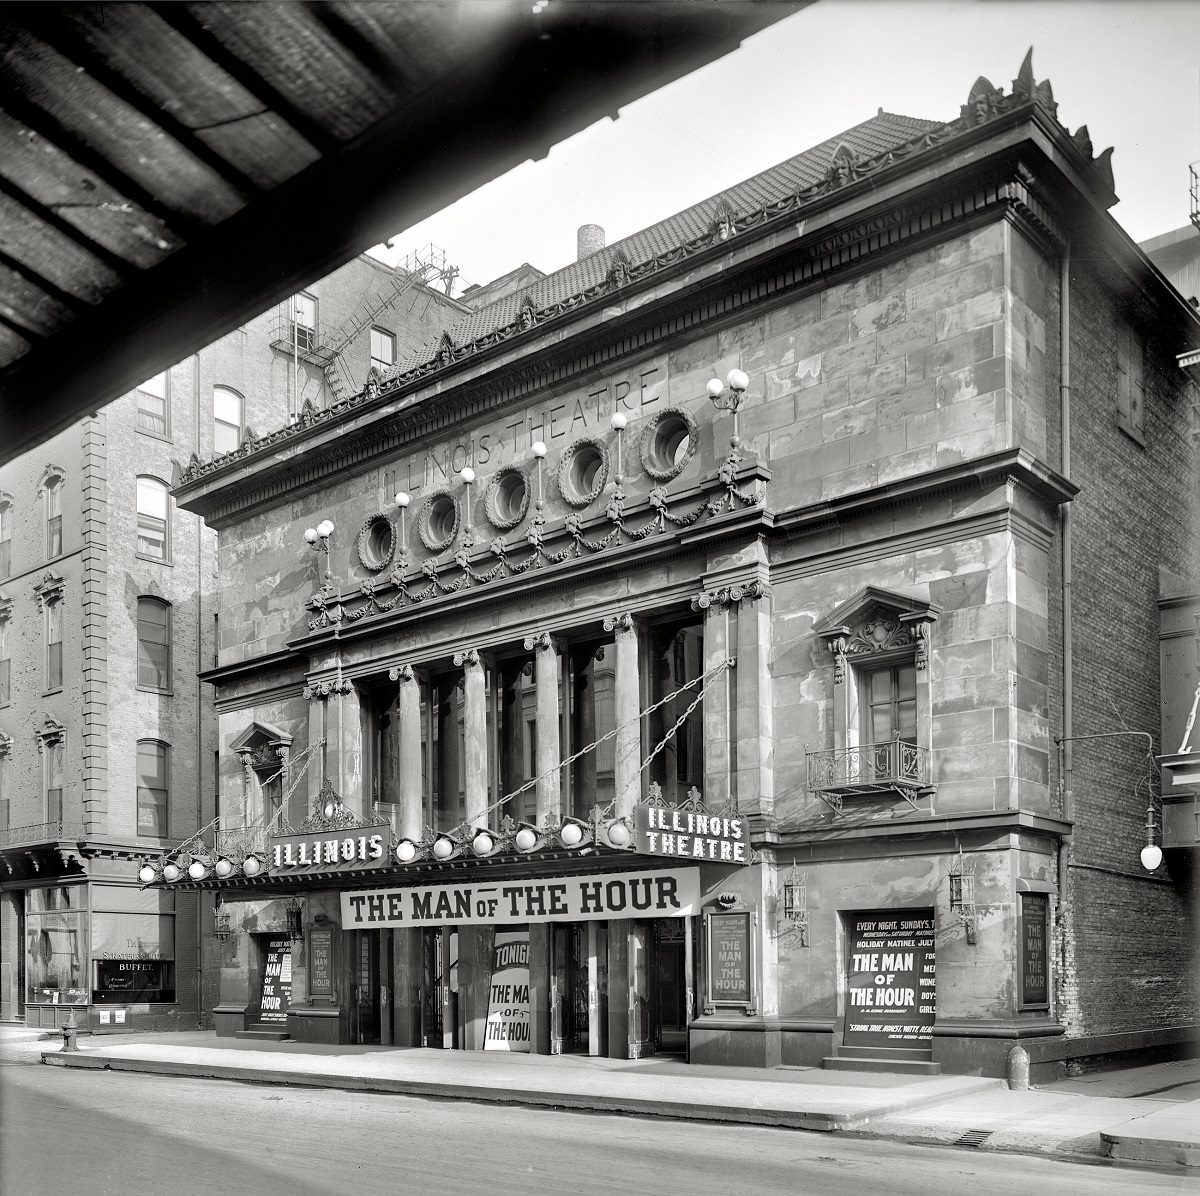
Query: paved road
point(106, 1132)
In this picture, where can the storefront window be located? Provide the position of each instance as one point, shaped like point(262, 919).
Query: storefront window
point(56, 946)
point(133, 945)
point(591, 685)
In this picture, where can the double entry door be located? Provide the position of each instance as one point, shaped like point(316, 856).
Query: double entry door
point(440, 1022)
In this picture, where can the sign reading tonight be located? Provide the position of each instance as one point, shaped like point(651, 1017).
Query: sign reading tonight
point(662, 893)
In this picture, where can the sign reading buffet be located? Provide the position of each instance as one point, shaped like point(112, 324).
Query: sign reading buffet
point(662, 893)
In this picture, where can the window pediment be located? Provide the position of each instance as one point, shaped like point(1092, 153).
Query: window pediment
point(878, 622)
point(49, 588)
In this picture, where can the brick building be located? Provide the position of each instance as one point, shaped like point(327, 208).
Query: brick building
point(107, 615)
point(674, 654)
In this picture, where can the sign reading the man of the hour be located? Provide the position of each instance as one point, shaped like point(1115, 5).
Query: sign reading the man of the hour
point(662, 893)
point(890, 991)
point(277, 982)
point(508, 997)
point(661, 831)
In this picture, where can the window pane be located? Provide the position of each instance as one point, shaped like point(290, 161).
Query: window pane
point(55, 957)
point(54, 536)
point(5, 681)
point(54, 667)
point(156, 386)
point(152, 765)
point(881, 724)
point(152, 812)
point(906, 682)
point(227, 405)
point(881, 686)
point(5, 558)
point(53, 498)
point(5, 521)
point(305, 307)
point(383, 347)
point(154, 650)
point(151, 498)
point(54, 766)
point(152, 414)
point(226, 438)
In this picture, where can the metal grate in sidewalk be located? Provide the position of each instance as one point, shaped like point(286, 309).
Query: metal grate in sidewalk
point(973, 1138)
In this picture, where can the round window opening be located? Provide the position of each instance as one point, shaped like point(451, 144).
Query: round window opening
point(583, 472)
point(439, 521)
point(507, 498)
point(669, 443)
point(376, 542)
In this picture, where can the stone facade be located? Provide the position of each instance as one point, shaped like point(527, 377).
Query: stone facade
point(916, 540)
point(87, 849)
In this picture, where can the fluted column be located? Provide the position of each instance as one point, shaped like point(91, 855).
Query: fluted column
point(475, 788)
point(408, 751)
point(549, 747)
point(627, 704)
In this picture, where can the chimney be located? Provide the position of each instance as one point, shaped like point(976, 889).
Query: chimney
point(588, 240)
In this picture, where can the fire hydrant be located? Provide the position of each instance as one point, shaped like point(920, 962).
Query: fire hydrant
point(69, 1031)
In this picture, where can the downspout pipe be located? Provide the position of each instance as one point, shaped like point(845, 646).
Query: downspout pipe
point(1066, 775)
point(199, 705)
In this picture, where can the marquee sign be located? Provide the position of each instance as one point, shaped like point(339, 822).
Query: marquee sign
point(349, 850)
point(688, 835)
point(660, 893)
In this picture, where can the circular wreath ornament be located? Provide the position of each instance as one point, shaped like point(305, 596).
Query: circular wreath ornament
point(583, 471)
point(669, 441)
point(506, 500)
point(437, 521)
point(376, 542)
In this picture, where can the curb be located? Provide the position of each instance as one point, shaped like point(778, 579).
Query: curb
point(679, 1111)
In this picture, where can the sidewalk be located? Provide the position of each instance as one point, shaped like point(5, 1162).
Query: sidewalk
point(1149, 1114)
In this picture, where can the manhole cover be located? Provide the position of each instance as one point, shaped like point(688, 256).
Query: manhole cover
point(974, 1138)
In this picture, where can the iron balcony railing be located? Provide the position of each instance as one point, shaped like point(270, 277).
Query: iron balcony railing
point(869, 768)
point(41, 832)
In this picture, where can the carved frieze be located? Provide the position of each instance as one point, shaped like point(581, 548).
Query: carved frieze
point(731, 595)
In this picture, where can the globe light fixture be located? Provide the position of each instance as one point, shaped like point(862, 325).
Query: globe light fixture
point(222, 867)
point(171, 873)
point(146, 874)
point(251, 865)
point(1151, 856)
point(197, 870)
point(618, 834)
point(443, 848)
point(406, 851)
point(526, 839)
point(571, 834)
point(482, 844)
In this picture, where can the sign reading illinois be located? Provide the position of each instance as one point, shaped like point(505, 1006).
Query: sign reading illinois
point(685, 835)
point(890, 990)
point(508, 997)
point(662, 893)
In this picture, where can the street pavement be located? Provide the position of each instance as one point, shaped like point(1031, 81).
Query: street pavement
point(1148, 1114)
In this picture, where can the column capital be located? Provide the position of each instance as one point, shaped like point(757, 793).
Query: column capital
point(467, 658)
point(541, 641)
point(402, 673)
point(730, 595)
point(324, 689)
point(622, 621)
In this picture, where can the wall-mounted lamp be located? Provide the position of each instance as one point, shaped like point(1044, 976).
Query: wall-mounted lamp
point(1151, 854)
point(619, 422)
point(222, 921)
point(295, 919)
point(468, 478)
point(402, 501)
point(317, 538)
point(538, 449)
point(737, 381)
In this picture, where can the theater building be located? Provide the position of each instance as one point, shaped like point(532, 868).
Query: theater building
point(673, 655)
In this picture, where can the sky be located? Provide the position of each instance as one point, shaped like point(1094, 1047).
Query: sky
point(1130, 71)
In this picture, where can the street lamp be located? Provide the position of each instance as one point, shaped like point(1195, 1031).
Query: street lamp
point(317, 538)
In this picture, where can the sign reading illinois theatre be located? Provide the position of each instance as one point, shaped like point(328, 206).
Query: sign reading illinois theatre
point(673, 893)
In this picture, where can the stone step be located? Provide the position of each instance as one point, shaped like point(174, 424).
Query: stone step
point(907, 1067)
point(921, 1054)
point(264, 1033)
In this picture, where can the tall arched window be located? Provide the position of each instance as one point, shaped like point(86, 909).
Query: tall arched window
point(228, 419)
point(153, 525)
point(154, 644)
point(6, 522)
point(153, 787)
point(54, 538)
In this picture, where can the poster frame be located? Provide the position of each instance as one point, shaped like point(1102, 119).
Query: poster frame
point(1022, 1003)
point(750, 915)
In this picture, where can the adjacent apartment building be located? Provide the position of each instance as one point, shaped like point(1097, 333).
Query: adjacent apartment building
point(746, 641)
point(107, 615)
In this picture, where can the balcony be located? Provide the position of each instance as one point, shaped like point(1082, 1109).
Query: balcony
point(894, 768)
point(311, 344)
point(41, 832)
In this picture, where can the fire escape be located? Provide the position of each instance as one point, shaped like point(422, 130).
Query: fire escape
point(326, 349)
